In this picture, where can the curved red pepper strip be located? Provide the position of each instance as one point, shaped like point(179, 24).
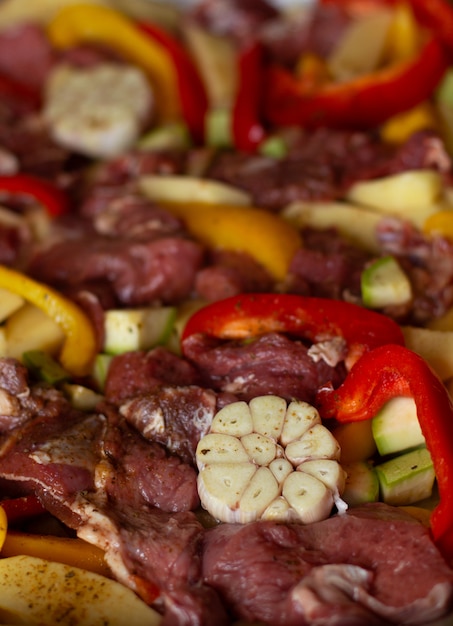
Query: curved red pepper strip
point(361, 103)
point(248, 131)
point(355, 7)
point(438, 16)
point(11, 89)
point(23, 508)
point(384, 373)
point(316, 319)
point(363, 107)
point(192, 92)
point(51, 197)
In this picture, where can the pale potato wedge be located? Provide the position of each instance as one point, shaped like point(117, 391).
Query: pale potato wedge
point(29, 328)
point(444, 322)
point(9, 303)
point(362, 47)
point(418, 215)
point(356, 223)
point(217, 62)
point(399, 193)
point(34, 591)
point(435, 346)
point(174, 188)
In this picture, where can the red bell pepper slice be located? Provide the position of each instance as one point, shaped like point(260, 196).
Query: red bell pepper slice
point(360, 7)
point(192, 92)
point(20, 509)
point(248, 131)
point(437, 15)
point(16, 92)
point(361, 103)
point(384, 373)
point(53, 199)
point(316, 319)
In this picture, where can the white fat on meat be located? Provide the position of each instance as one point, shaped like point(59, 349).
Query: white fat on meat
point(98, 111)
point(332, 351)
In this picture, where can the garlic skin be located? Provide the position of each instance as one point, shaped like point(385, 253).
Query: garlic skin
point(97, 111)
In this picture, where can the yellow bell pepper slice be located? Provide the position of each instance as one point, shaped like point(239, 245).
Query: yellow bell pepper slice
point(75, 552)
point(80, 347)
point(101, 24)
point(399, 128)
point(268, 238)
point(312, 71)
point(440, 223)
point(421, 514)
point(404, 36)
point(3, 527)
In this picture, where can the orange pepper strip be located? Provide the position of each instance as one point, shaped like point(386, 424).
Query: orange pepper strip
point(80, 345)
point(268, 238)
point(74, 552)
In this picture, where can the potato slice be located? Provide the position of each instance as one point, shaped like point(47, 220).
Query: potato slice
point(29, 328)
point(35, 591)
point(174, 188)
point(400, 193)
point(9, 303)
point(362, 48)
point(216, 58)
point(435, 346)
point(444, 322)
point(356, 223)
